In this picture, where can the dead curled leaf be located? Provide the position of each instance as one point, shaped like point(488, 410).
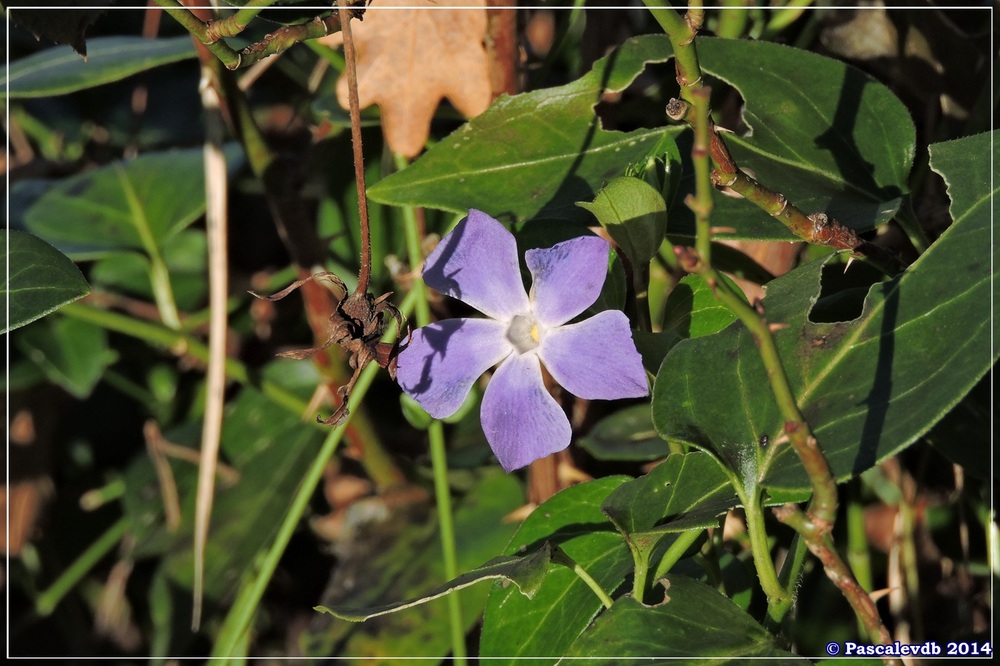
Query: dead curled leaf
point(413, 53)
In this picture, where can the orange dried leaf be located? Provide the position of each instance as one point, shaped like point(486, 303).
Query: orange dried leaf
point(409, 59)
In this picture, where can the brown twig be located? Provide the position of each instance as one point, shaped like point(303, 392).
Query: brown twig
point(364, 275)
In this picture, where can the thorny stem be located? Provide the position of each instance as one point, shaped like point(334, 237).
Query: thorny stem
point(816, 523)
point(364, 275)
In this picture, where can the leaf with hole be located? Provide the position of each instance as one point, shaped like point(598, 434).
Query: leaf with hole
point(868, 387)
point(826, 135)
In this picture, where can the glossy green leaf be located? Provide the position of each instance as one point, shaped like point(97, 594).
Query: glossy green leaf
point(58, 71)
point(535, 154)
point(693, 621)
point(868, 387)
point(628, 434)
point(124, 205)
point(692, 309)
point(526, 573)
point(685, 492)
point(391, 553)
point(634, 214)
point(38, 279)
point(73, 354)
point(829, 137)
point(514, 626)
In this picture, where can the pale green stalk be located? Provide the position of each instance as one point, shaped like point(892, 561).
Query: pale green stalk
point(435, 434)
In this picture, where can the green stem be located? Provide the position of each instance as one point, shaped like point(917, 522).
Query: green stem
point(159, 274)
point(760, 549)
point(236, 624)
point(560, 557)
point(640, 285)
point(791, 568)
point(640, 578)
point(230, 58)
point(674, 552)
point(50, 598)
point(435, 433)
point(157, 335)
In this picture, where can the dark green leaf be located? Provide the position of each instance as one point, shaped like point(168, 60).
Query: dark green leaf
point(66, 26)
point(829, 137)
point(117, 206)
point(693, 621)
point(536, 154)
point(383, 558)
point(868, 387)
point(514, 626)
point(58, 71)
point(685, 492)
point(38, 280)
point(628, 434)
point(73, 354)
point(526, 572)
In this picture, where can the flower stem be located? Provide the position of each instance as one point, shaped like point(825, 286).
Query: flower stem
point(435, 434)
point(364, 275)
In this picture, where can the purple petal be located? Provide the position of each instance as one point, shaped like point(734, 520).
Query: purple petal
point(567, 278)
point(595, 359)
point(477, 263)
point(521, 420)
point(442, 360)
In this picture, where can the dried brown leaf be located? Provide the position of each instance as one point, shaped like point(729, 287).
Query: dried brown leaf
point(410, 58)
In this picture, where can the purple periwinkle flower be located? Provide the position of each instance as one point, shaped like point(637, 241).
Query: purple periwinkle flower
point(593, 359)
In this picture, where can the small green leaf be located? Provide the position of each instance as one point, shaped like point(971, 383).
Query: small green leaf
point(41, 279)
point(414, 414)
point(628, 434)
point(58, 71)
point(693, 621)
point(526, 572)
point(535, 154)
point(634, 215)
point(692, 309)
point(685, 492)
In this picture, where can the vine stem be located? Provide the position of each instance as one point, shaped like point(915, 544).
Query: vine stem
point(364, 275)
point(816, 523)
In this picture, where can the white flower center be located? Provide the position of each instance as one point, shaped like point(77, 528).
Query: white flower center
point(523, 333)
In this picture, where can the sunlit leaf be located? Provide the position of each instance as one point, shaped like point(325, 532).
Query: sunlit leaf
point(535, 154)
point(829, 137)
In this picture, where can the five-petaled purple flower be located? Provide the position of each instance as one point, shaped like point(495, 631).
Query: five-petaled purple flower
point(593, 359)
